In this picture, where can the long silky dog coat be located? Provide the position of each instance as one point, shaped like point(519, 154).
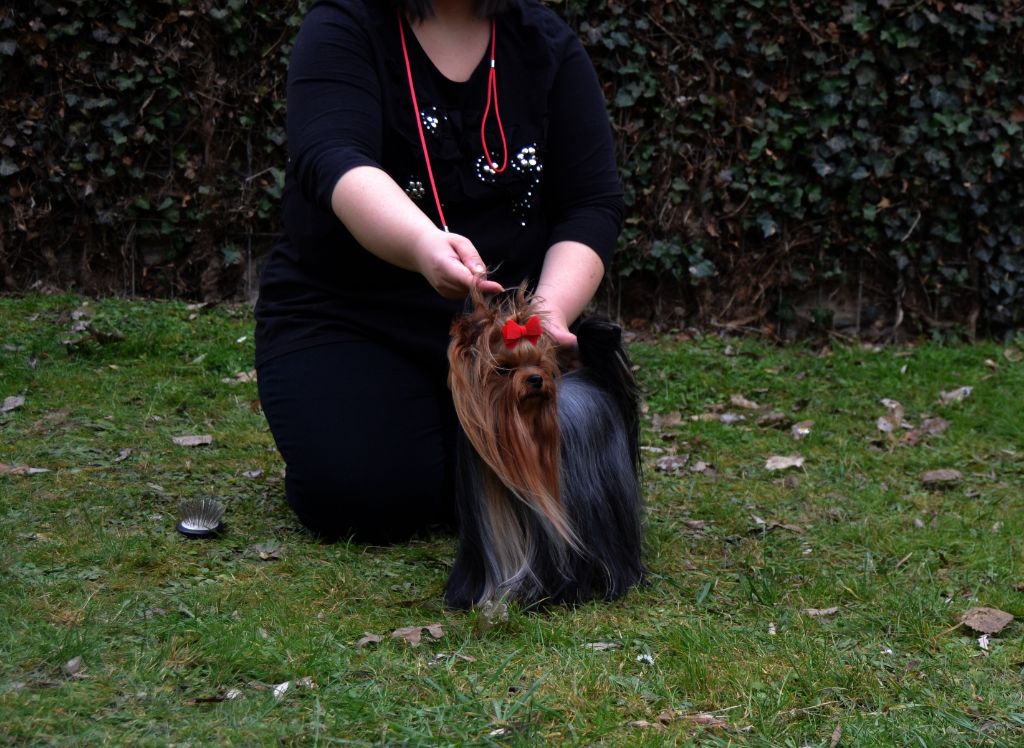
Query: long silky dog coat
point(548, 485)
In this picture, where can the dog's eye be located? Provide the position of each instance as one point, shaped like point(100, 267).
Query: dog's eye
point(503, 371)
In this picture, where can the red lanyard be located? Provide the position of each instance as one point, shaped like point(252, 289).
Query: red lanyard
point(492, 95)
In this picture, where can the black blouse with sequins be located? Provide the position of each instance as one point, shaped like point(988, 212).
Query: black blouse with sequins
point(349, 105)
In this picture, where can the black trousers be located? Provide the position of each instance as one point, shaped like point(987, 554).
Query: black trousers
point(368, 440)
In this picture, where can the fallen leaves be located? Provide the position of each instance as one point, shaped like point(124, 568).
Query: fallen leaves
point(441, 657)
point(893, 420)
point(73, 666)
point(955, 396)
point(801, 430)
point(12, 403)
point(268, 551)
point(242, 377)
point(198, 440)
point(414, 634)
point(784, 462)
point(602, 646)
point(668, 421)
point(491, 614)
point(277, 690)
point(369, 639)
point(740, 401)
point(986, 620)
point(671, 464)
point(20, 470)
point(774, 419)
point(668, 716)
point(820, 612)
point(230, 695)
point(762, 525)
point(941, 477)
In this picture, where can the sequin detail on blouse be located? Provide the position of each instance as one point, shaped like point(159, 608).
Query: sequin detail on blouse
point(415, 189)
point(527, 162)
point(432, 117)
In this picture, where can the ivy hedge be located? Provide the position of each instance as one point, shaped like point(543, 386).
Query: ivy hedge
point(843, 163)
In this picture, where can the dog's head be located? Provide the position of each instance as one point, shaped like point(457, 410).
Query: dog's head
point(500, 348)
point(503, 372)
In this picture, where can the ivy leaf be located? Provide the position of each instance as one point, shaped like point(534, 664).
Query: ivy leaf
point(768, 225)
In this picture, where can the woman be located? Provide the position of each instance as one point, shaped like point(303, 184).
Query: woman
point(358, 295)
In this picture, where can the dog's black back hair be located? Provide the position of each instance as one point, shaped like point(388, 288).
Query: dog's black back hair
point(598, 413)
point(605, 360)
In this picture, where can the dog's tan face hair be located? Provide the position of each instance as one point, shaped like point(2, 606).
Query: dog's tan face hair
point(505, 396)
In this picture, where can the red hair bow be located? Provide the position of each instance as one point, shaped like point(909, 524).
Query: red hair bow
point(513, 332)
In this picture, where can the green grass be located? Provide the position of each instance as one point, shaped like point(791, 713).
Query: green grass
point(91, 566)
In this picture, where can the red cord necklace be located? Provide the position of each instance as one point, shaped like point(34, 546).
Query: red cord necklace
point(492, 95)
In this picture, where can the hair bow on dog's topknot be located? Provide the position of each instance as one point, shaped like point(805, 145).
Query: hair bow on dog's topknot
point(513, 332)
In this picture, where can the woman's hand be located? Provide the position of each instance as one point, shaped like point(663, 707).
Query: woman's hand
point(388, 224)
point(451, 264)
point(557, 328)
point(571, 274)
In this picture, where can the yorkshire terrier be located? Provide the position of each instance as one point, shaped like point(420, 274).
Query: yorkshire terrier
point(548, 483)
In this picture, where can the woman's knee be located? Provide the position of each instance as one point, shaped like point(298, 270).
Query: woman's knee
point(385, 507)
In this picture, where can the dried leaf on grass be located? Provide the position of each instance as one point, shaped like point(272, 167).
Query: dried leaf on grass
point(704, 468)
point(939, 477)
point(671, 464)
point(801, 430)
point(602, 646)
point(11, 403)
point(124, 454)
point(199, 440)
point(820, 612)
point(892, 421)
point(21, 470)
point(762, 525)
point(934, 426)
point(230, 695)
point(414, 634)
point(668, 716)
point(986, 620)
point(774, 419)
point(492, 613)
point(282, 688)
point(780, 462)
point(241, 377)
point(928, 427)
point(443, 656)
point(955, 396)
point(73, 666)
point(367, 640)
point(667, 421)
point(269, 551)
point(741, 402)
point(643, 724)
point(193, 441)
point(837, 735)
point(712, 417)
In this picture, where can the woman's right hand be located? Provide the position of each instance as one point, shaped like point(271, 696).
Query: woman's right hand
point(451, 264)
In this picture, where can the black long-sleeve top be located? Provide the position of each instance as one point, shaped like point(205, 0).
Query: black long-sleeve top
point(349, 105)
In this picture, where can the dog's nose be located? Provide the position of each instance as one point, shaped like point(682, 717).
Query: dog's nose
point(535, 380)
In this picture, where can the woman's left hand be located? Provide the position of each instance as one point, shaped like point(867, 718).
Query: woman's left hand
point(557, 328)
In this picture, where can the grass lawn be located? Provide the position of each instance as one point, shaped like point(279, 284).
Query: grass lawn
point(811, 606)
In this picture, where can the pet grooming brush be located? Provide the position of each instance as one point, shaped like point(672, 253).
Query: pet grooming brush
point(200, 517)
